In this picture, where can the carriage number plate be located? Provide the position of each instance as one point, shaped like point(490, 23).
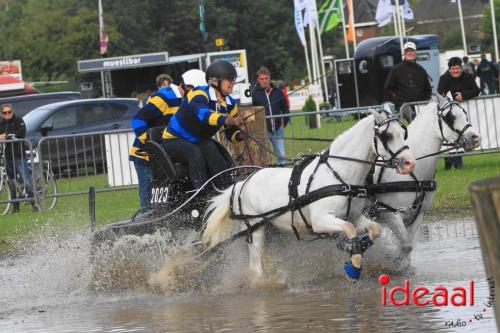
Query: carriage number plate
point(159, 195)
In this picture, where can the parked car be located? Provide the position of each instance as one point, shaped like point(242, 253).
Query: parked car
point(25, 104)
point(78, 120)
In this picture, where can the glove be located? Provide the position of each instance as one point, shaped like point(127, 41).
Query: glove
point(240, 136)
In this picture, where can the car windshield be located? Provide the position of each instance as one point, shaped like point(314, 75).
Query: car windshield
point(33, 119)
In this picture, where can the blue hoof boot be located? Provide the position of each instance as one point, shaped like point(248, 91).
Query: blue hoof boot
point(365, 243)
point(352, 272)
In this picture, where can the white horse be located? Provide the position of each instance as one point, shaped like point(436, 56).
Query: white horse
point(438, 122)
point(268, 189)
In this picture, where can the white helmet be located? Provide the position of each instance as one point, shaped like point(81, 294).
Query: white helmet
point(194, 77)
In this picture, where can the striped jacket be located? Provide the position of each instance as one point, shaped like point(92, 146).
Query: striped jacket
point(201, 115)
point(157, 112)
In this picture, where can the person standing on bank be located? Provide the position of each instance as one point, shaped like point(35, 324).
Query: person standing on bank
point(462, 86)
point(269, 96)
point(487, 72)
point(407, 81)
point(15, 155)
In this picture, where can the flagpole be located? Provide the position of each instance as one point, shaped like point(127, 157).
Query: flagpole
point(314, 57)
point(494, 27)
point(344, 28)
point(400, 33)
point(351, 20)
point(322, 63)
point(459, 2)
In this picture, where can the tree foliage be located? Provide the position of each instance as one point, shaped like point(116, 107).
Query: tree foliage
point(50, 36)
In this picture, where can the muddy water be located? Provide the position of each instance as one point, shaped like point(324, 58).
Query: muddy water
point(51, 287)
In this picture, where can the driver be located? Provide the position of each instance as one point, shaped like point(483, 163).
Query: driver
point(160, 107)
point(204, 110)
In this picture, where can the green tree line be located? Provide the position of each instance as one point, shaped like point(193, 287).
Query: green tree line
point(50, 36)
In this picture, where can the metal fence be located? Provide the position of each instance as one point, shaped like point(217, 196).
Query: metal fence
point(482, 116)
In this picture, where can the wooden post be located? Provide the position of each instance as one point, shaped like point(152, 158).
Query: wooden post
point(485, 197)
point(248, 152)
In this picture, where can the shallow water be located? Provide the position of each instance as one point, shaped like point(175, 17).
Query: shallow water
point(46, 289)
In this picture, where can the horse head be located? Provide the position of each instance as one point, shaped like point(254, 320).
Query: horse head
point(454, 126)
point(389, 142)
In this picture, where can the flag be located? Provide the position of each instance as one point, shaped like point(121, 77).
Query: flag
point(103, 36)
point(384, 12)
point(203, 31)
point(385, 9)
point(407, 11)
point(299, 26)
point(311, 14)
point(330, 14)
point(351, 28)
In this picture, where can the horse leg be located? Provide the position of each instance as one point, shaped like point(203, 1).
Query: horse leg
point(255, 248)
point(396, 223)
point(331, 224)
point(372, 230)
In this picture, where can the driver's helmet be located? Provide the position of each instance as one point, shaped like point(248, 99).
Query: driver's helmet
point(194, 78)
point(219, 70)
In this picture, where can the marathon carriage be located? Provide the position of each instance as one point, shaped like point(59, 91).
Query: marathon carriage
point(174, 204)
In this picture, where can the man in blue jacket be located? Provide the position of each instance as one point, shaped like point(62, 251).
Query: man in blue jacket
point(487, 72)
point(269, 96)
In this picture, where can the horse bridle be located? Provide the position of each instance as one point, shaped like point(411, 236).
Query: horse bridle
point(449, 121)
point(384, 137)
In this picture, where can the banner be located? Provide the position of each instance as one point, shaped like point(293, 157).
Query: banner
point(299, 26)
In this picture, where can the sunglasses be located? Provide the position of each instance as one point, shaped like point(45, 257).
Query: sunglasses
point(7, 112)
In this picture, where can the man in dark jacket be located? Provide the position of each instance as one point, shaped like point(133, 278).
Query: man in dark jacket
point(487, 72)
point(15, 157)
point(272, 99)
point(407, 81)
point(462, 86)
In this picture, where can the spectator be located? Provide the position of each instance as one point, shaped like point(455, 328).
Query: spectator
point(487, 73)
point(468, 67)
point(407, 81)
point(12, 126)
point(273, 99)
point(462, 86)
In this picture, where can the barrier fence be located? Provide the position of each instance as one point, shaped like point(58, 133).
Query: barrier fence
point(68, 165)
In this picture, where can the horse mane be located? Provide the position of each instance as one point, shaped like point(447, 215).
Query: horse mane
point(343, 139)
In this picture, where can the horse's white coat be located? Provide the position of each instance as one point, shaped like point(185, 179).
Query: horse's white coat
point(268, 190)
point(424, 137)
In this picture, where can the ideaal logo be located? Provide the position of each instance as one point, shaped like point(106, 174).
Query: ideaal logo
point(441, 296)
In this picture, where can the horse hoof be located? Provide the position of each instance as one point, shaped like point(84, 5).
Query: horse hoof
point(353, 273)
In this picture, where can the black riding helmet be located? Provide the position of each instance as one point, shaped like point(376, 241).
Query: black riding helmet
point(218, 71)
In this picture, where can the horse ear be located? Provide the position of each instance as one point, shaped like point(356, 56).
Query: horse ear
point(440, 100)
point(378, 115)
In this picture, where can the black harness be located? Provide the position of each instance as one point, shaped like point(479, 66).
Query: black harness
point(296, 202)
point(419, 187)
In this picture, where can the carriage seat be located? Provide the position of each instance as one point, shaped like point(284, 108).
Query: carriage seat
point(162, 166)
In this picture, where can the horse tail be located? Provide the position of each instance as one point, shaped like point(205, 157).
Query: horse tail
point(219, 225)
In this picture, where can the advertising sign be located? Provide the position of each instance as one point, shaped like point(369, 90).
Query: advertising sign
point(11, 68)
point(239, 60)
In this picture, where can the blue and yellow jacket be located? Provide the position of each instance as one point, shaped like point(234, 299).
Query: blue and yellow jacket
point(201, 115)
point(158, 111)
